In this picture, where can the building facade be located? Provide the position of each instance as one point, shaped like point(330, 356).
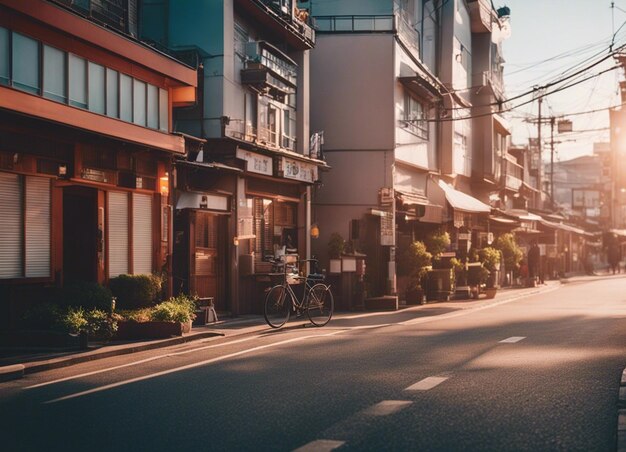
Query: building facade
point(86, 148)
point(256, 168)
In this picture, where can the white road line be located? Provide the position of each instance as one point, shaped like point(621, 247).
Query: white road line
point(426, 384)
point(512, 340)
point(142, 361)
point(321, 445)
point(387, 407)
point(188, 366)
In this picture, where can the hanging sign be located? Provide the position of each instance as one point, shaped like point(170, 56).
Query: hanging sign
point(301, 171)
point(256, 163)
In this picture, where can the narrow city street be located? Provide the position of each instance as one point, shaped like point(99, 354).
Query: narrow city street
point(536, 373)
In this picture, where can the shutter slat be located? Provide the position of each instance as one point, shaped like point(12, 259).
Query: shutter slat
point(37, 227)
point(11, 226)
point(142, 234)
point(118, 233)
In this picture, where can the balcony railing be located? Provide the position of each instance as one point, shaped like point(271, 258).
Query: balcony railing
point(119, 14)
point(355, 24)
point(513, 174)
point(259, 135)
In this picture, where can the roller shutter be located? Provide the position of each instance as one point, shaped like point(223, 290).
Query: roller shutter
point(118, 233)
point(142, 234)
point(12, 226)
point(37, 227)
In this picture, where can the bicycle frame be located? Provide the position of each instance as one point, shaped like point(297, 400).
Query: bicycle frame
point(297, 304)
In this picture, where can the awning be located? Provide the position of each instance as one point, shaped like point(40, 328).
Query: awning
point(208, 165)
point(564, 227)
point(502, 220)
point(433, 213)
point(420, 87)
point(502, 125)
point(463, 202)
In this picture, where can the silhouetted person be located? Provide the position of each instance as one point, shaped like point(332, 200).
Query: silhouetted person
point(613, 254)
point(534, 262)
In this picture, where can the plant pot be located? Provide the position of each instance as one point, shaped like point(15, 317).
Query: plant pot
point(414, 296)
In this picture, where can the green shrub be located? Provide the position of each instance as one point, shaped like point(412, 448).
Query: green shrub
point(336, 245)
point(179, 309)
point(42, 316)
point(490, 258)
point(511, 252)
point(89, 295)
point(413, 262)
point(135, 291)
point(100, 324)
point(73, 320)
point(437, 243)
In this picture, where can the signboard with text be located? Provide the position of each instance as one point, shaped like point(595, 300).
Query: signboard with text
point(256, 163)
point(297, 170)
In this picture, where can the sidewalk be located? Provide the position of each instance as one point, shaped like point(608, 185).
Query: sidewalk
point(30, 361)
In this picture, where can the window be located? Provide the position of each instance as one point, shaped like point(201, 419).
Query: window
point(97, 99)
point(25, 236)
point(126, 98)
point(25, 63)
point(78, 81)
point(163, 111)
point(289, 129)
point(60, 76)
point(153, 107)
point(139, 103)
point(54, 74)
point(274, 226)
point(113, 93)
point(414, 116)
point(4, 56)
point(250, 115)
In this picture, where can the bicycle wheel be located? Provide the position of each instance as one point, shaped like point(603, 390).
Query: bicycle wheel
point(277, 306)
point(320, 304)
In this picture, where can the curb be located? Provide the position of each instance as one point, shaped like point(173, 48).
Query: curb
point(621, 415)
point(12, 372)
point(17, 371)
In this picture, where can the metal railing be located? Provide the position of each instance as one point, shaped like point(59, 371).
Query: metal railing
point(115, 13)
point(355, 24)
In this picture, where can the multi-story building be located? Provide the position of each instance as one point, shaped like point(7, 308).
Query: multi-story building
point(253, 113)
point(85, 147)
point(393, 91)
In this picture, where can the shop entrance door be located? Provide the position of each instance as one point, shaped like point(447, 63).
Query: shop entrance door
point(208, 258)
point(80, 234)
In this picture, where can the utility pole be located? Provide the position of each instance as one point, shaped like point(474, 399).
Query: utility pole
point(540, 169)
point(552, 121)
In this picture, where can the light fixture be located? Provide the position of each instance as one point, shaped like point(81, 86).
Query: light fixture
point(236, 241)
point(315, 231)
point(164, 184)
point(62, 170)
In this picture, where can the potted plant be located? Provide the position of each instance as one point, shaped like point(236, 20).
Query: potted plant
point(441, 277)
point(336, 246)
point(490, 259)
point(512, 254)
point(414, 263)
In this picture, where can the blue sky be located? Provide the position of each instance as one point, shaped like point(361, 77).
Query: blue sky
point(574, 31)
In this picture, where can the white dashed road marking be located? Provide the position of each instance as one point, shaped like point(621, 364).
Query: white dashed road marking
point(426, 384)
point(387, 407)
point(512, 340)
point(321, 445)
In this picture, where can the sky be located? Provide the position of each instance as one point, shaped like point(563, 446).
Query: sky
point(553, 37)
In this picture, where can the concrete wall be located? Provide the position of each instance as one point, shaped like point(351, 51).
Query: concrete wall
point(352, 91)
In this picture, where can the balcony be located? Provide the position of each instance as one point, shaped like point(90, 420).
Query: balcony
point(283, 18)
point(117, 14)
point(513, 174)
point(482, 15)
point(269, 70)
point(260, 136)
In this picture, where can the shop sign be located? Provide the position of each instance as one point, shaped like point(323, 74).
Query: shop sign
point(386, 196)
point(387, 234)
point(301, 171)
point(94, 175)
point(256, 163)
point(464, 235)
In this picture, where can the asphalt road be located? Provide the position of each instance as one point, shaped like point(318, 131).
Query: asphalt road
point(538, 373)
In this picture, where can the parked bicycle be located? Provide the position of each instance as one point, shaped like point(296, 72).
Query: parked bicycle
point(281, 300)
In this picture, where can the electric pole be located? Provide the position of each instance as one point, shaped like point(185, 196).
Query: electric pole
point(552, 120)
point(540, 169)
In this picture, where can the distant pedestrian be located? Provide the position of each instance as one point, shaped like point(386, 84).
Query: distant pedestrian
point(534, 262)
point(614, 256)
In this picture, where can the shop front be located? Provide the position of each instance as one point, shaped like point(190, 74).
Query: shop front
point(203, 222)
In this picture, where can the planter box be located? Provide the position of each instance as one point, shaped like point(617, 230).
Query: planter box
point(151, 330)
point(440, 284)
point(385, 303)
